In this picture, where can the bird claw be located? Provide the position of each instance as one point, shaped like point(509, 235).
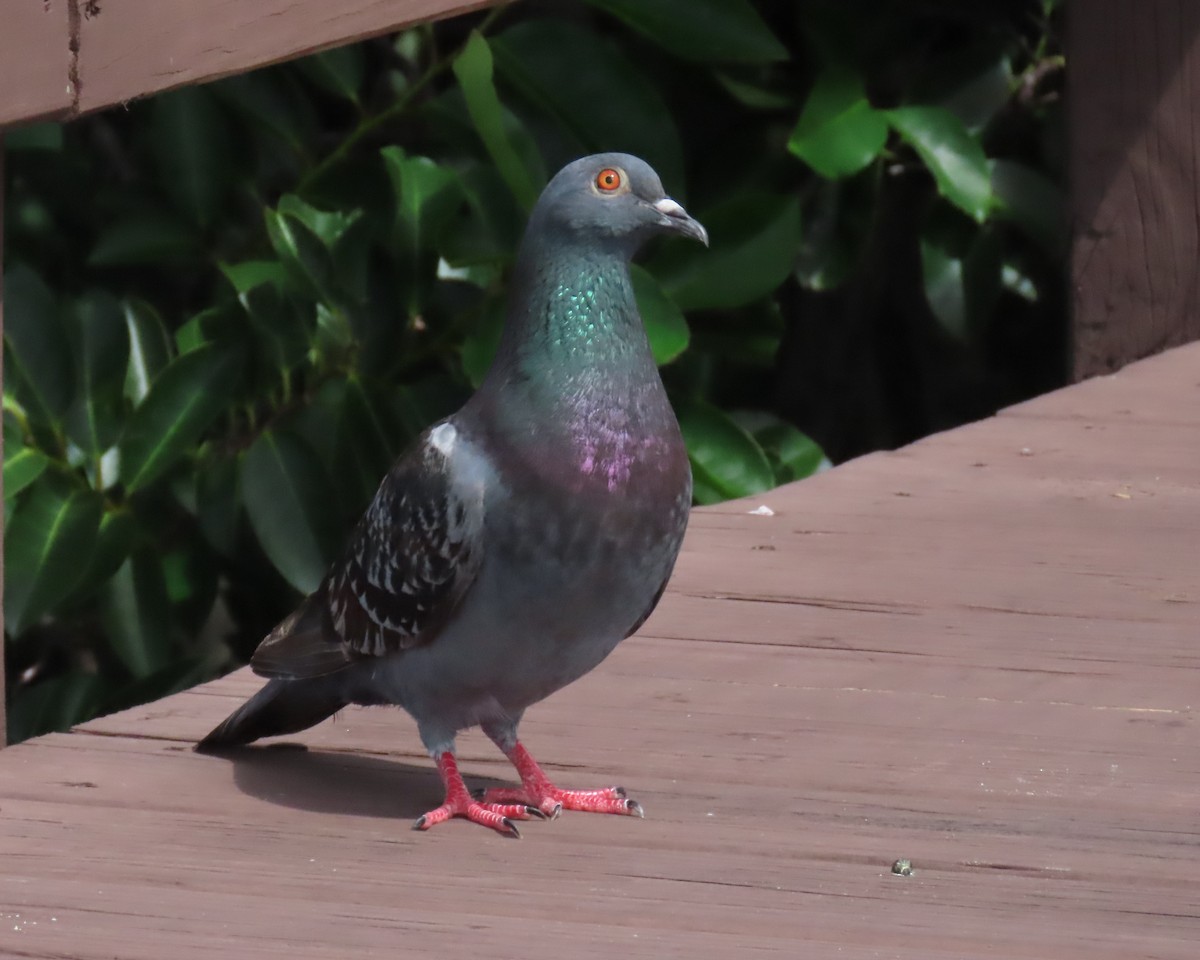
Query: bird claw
point(551, 801)
point(498, 816)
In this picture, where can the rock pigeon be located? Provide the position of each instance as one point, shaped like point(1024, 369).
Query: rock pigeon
point(518, 541)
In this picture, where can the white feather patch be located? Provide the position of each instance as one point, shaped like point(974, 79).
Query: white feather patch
point(443, 438)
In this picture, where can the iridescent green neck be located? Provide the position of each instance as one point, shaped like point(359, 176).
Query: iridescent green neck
point(573, 314)
point(574, 391)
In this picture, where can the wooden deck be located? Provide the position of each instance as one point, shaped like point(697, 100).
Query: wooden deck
point(979, 653)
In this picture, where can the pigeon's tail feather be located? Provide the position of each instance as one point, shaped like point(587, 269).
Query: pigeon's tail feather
point(303, 645)
point(282, 706)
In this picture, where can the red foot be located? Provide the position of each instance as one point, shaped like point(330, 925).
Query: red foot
point(537, 792)
point(498, 816)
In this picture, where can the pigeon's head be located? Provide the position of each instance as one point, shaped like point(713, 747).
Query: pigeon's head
point(612, 198)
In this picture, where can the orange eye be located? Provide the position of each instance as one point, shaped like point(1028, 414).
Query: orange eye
point(608, 180)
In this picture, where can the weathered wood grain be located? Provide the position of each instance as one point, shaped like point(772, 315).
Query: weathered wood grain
point(35, 60)
point(978, 653)
point(129, 50)
point(62, 58)
point(3, 709)
point(1134, 93)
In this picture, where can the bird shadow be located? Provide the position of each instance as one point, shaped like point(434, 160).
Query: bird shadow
point(347, 784)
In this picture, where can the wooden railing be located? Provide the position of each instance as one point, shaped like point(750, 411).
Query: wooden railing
point(1134, 90)
point(63, 58)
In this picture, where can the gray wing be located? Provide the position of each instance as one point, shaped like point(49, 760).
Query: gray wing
point(409, 562)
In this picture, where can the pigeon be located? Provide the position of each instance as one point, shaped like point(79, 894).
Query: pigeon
point(513, 546)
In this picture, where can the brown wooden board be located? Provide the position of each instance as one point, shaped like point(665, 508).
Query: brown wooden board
point(978, 652)
point(1134, 93)
point(129, 50)
point(35, 60)
point(61, 58)
point(3, 709)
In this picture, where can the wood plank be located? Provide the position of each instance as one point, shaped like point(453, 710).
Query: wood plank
point(35, 60)
point(3, 709)
point(1135, 195)
point(975, 657)
point(129, 50)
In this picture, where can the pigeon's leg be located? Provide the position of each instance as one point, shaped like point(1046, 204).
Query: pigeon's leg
point(537, 791)
point(459, 803)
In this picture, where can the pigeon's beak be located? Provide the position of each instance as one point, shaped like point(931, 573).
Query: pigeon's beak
point(676, 219)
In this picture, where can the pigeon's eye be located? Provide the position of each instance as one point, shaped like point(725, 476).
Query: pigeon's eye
point(608, 180)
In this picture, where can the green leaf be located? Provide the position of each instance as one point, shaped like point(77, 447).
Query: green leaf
point(273, 101)
point(47, 547)
point(479, 348)
point(953, 156)
point(21, 468)
point(150, 236)
point(755, 238)
point(36, 346)
point(190, 576)
point(794, 454)
point(962, 290)
point(590, 91)
point(149, 348)
point(253, 273)
point(193, 147)
point(726, 461)
point(982, 277)
point(839, 132)
point(976, 101)
point(101, 344)
point(487, 232)
point(183, 400)
point(339, 71)
point(665, 325)
point(426, 195)
point(357, 438)
point(367, 436)
point(334, 334)
point(473, 68)
point(137, 615)
point(1033, 202)
point(305, 257)
point(702, 30)
point(287, 495)
point(284, 331)
point(54, 704)
point(218, 502)
point(753, 95)
point(114, 541)
point(34, 136)
point(1013, 280)
point(943, 278)
point(327, 225)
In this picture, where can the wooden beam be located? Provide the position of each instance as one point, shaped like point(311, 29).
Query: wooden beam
point(62, 59)
point(3, 708)
point(1134, 93)
point(35, 61)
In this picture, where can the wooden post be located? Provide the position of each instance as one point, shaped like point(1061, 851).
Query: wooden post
point(3, 708)
point(1133, 74)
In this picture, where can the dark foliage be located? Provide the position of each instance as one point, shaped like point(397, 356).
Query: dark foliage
point(229, 307)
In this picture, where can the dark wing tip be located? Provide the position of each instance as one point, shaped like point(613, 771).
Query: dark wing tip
point(302, 646)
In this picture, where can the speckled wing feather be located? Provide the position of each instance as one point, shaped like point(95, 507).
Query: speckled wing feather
point(408, 564)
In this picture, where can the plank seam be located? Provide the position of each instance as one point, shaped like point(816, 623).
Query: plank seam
point(74, 43)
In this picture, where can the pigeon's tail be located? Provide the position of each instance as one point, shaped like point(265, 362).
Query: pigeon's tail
point(282, 706)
